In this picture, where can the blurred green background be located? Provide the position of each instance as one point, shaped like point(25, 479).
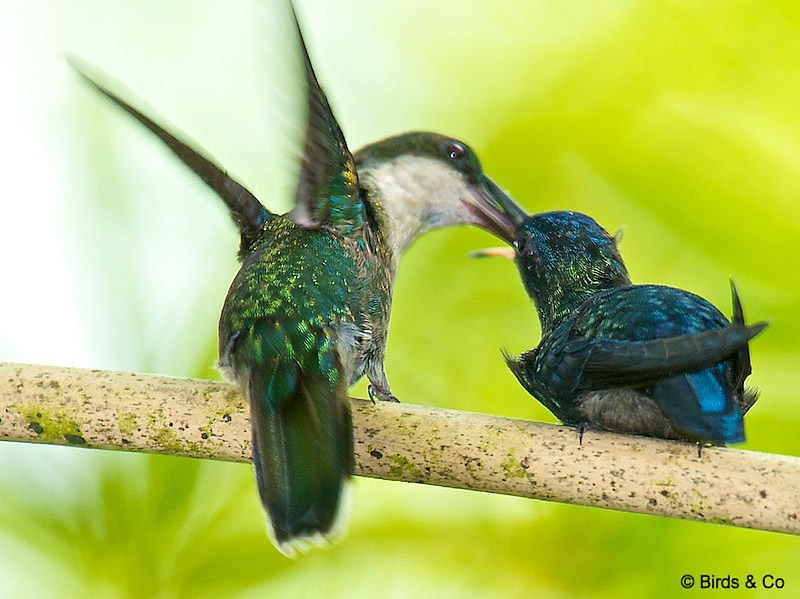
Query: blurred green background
point(675, 119)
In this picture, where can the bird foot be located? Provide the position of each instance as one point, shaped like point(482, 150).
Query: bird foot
point(702, 444)
point(380, 394)
point(582, 428)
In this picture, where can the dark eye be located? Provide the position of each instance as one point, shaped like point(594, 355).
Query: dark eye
point(455, 151)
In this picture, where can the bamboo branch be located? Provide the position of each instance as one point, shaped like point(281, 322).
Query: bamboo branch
point(405, 442)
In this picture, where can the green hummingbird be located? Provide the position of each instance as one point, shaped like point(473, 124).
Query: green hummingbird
point(307, 314)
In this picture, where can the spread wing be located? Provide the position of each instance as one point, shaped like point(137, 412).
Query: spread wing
point(327, 193)
point(246, 211)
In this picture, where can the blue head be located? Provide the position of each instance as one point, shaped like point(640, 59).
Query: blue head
point(563, 257)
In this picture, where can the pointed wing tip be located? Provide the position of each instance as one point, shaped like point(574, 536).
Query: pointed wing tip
point(326, 162)
point(81, 68)
point(738, 313)
point(73, 60)
point(248, 213)
point(92, 75)
point(88, 72)
point(755, 329)
point(76, 62)
point(309, 69)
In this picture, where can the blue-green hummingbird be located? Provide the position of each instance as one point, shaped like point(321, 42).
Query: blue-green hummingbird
point(644, 359)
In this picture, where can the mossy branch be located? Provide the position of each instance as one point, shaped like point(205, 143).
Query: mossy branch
point(406, 442)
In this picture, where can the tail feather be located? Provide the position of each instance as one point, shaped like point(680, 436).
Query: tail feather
point(747, 398)
point(741, 360)
point(302, 444)
point(701, 406)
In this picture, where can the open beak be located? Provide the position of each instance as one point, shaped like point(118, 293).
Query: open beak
point(494, 209)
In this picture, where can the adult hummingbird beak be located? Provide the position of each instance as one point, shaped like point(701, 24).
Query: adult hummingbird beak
point(512, 212)
point(491, 207)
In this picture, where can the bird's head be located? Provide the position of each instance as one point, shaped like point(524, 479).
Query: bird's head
point(566, 255)
point(562, 258)
point(420, 181)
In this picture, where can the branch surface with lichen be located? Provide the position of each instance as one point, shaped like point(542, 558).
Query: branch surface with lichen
point(406, 442)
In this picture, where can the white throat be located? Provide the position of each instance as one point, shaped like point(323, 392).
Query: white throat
point(416, 194)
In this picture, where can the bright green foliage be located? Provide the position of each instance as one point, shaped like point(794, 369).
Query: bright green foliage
point(675, 119)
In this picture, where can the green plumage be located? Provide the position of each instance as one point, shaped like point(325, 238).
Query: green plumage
point(293, 318)
point(302, 433)
point(307, 314)
point(296, 274)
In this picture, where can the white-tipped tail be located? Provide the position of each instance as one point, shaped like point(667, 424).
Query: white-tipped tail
point(291, 548)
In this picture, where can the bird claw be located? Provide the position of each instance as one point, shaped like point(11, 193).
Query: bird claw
point(582, 428)
point(380, 394)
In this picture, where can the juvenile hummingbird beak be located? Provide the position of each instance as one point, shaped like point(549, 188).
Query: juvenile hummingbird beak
point(488, 204)
point(501, 252)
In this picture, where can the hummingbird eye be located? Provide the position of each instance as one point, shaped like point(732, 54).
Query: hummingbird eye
point(455, 151)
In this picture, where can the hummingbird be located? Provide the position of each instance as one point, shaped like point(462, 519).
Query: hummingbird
point(641, 359)
point(307, 314)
